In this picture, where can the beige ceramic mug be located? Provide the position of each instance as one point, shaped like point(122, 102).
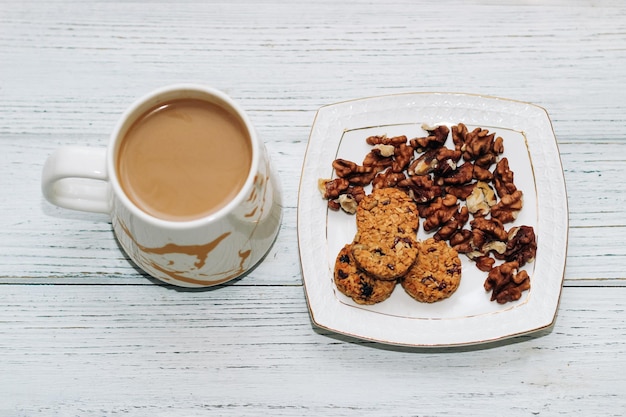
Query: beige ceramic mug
point(188, 185)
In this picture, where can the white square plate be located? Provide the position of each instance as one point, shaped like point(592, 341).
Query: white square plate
point(468, 316)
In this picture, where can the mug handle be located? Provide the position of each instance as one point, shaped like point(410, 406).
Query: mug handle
point(75, 177)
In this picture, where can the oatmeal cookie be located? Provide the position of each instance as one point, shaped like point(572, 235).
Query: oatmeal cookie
point(389, 210)
point(356, 283)
point(384, 255)
point(435, 275)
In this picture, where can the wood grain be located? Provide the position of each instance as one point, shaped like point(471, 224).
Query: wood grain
point(83, 332)
point(143, 349)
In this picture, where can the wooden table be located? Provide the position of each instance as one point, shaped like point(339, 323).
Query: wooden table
point(83, 332)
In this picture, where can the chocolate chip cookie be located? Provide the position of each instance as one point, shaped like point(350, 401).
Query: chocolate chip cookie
point(383, 254)
point(435, 275)
point(388, 209)
point(387, 222)
point(356, 283)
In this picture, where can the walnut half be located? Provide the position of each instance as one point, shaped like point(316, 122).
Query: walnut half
point(506, 283)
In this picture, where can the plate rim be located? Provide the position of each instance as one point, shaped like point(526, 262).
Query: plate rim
point(315, 305)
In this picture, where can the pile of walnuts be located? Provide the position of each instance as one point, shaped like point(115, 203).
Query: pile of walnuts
point(465, 195)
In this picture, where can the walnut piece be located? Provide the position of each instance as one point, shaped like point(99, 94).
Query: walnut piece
point(482, 174)
point(461, 241)
point(484, 263)
point(506, 283)
point(402, 158)
point(459, 132)
point(447, 162)
point(439, 212)
point(461, 175)
point(356, 174)
point(384, 150)
point(377, 159)
point(387, 179)
point(521, 246)
point(331, 189)
point(482, 198)
point(425, 164)
point(348, 203)
point(478, 146)
point(441, 162)
point(460, 191)
point(503, 178)
point(453, 225)
point(384, 140)
point(421, 188)
point(509, 206)
point(437, 136)
point(485, 231)
point(340, 194)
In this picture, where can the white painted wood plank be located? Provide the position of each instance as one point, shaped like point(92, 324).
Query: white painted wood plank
point(107, 340)
point(555, 56)
point(594, 174)
point(97, 350)
point(72, 108)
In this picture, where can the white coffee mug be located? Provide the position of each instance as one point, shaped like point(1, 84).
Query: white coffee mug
point(196, 253)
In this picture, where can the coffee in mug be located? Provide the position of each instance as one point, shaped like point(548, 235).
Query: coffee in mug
point(189, 187)
point(184, 160)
